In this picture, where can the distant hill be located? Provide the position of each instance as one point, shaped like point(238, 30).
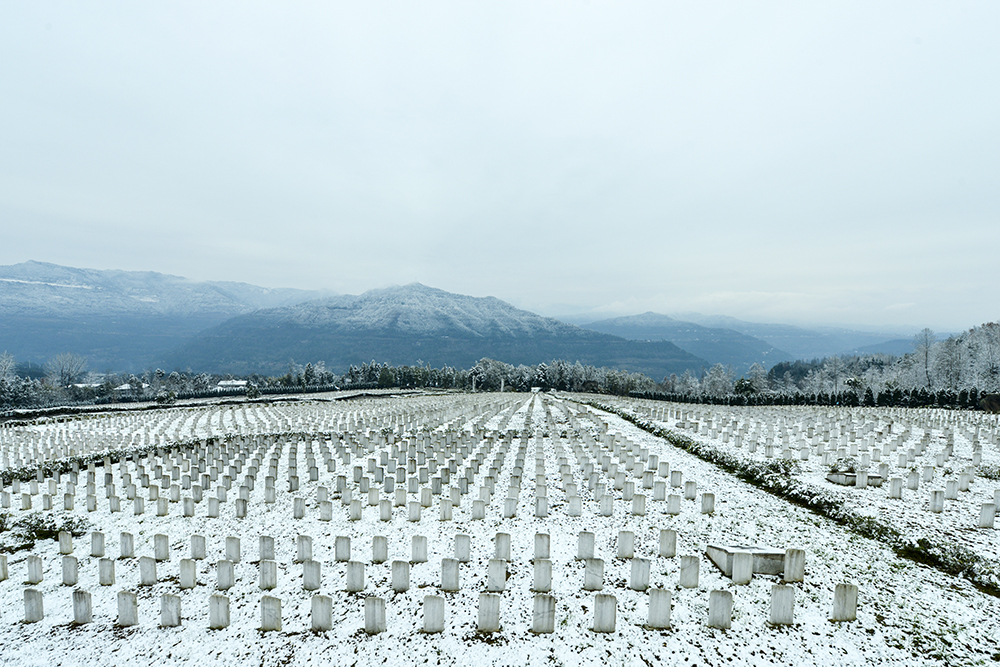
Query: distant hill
point(134, 320)
point(897, 347)
point(799, 342)
point(404, 325)
point(715, 345)
point(119, 320)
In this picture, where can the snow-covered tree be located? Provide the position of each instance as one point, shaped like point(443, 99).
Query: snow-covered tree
point(541, 375)
point(984, 342)
point(949, 363)
point(688, 384)
point(834, 369)
point(757, 375)
point(718, 381)
point(923, 347)
point(7, 366)
point(65, 369)
point(202, 382)
point(815, 382)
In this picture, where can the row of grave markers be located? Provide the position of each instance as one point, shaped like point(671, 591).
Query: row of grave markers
point(60, 438)
point(815, 441)
point(720, 612)
point(603, 497)
point(593, 577)
point(608, 455)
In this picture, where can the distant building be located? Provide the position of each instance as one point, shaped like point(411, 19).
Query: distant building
point(127, 388)
point(228, 385)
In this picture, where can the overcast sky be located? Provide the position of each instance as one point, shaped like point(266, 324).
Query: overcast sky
point(828, 162)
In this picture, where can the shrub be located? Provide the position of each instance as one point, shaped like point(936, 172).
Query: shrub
point(989, 472)
point(27, 530)
point(165, 397)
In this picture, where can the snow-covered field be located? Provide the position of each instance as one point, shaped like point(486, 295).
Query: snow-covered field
point(881, 438)
point(907, 613)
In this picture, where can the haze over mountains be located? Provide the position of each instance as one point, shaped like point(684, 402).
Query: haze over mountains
point(814, 342)
point(130, 321)
point(721, 345)
point(411, 324)
point(734, 342)
point(119, 320)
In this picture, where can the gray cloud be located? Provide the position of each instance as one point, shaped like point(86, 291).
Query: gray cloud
point(769, 161)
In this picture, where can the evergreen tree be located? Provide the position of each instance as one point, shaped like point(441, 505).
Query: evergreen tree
point(869, 398)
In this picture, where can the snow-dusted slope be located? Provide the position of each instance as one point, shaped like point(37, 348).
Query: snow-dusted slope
point(402, 325)
point(39, 288)
point(420, 310)
point(119, 320)
point(716, 345)
point(907, 613)
point(801, 343)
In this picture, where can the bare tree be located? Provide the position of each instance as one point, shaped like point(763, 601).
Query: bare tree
point(688, 384)
point(923, 344)
point(949, 363)
point(65, 369)
point(985, 344)
point(758, 377)
point(7, 366)
point(834, 368)
point(718, 381)
point(814, 382)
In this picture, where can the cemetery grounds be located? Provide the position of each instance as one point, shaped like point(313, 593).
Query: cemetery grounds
point(168, 507)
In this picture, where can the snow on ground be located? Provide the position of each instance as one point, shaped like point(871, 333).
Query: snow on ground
point(907, 613)
point(900, 430)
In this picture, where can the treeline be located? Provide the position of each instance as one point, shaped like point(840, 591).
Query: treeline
point(912, 398)
point(952, 373)
point(493, 375)
point(77, 387)
point(485, 375)
point(968, 361)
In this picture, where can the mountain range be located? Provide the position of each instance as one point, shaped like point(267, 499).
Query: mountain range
point(721, 345)
point(811, 343)
point(411, 324)
point(130, 321)
point(119, 320)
